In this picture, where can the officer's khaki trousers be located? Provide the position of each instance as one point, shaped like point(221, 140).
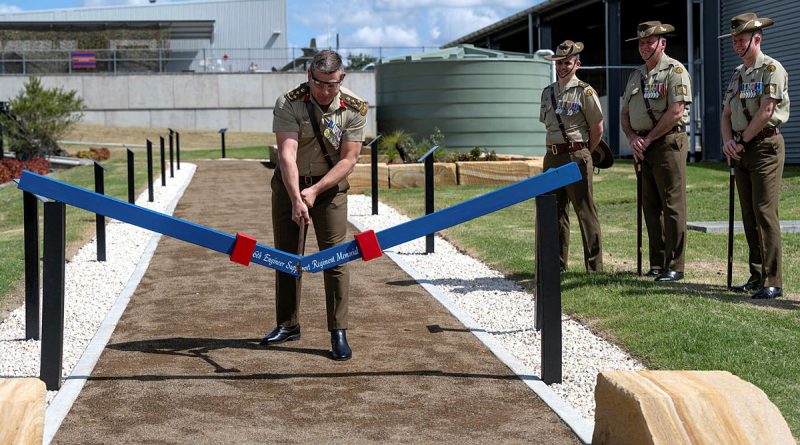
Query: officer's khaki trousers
point(329, 216)
point(758, 178)
point(580, 194)
point(664, 200)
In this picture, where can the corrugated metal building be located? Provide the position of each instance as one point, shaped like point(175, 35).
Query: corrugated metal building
point(604, 24)
point(248, 31)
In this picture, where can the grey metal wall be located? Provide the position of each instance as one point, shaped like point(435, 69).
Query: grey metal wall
point(489, 102)
point(780, 42)
point(239, 24)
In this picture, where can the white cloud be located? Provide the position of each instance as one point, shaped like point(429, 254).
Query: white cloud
point(391, 35)
point(4, 9)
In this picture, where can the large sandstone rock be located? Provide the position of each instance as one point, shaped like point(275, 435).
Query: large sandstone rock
point(494, 172)
point(684, 407)
point(21, 410)
point(413, 175)
point(361, 178)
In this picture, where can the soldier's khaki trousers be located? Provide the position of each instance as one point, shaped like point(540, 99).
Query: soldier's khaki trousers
point(580, 195)
point(758, 178)
point(329, 216)
point(664, 200)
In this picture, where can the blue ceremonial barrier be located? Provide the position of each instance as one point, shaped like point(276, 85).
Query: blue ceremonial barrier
point(151, 220)
point(451, 216)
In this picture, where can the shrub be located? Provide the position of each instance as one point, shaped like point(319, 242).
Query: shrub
point(12, 168)
point(42, 117)
point(97, 154)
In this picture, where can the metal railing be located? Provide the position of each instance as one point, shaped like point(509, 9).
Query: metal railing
point(171, 60)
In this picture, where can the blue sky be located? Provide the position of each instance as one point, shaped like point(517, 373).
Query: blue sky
point(359, 23)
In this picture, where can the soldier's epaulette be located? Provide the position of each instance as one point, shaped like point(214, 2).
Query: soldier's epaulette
point(582, 84)
point(355, 103)
point(587, 89)
point(298, 93)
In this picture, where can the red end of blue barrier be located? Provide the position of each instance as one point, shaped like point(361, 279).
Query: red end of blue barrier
point(243, 249)
point(368, 245)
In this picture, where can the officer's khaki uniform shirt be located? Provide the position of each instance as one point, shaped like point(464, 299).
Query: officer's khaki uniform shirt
point(765, 79)
point(667, 83)
point(578, 106)
point(345, 119)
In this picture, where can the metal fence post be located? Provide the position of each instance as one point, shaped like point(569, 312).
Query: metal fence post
point(150, 171)
point(178, 148)
point(222, 140)
point(428, 158)
point(100, 220)
point(373, 156)
point(30, 217)
point(171, 155)
point(548, 288)
point(163, 163)
point(131, 186)
point(53, 294)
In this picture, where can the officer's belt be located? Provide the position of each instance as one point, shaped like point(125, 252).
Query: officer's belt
point(673, 130)
point(308, 181)
point(763, 134)
point(567, 147)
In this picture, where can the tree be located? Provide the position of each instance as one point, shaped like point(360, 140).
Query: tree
point(358, 61)
point(39, 117)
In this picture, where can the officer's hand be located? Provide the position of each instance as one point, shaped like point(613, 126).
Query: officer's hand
point(300, 213)
point(309, 195)
point(732, 150)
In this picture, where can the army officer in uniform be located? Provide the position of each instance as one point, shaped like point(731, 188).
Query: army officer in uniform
point(574, 120)
point(655, 111)
point(320, 129)
point(756, 104)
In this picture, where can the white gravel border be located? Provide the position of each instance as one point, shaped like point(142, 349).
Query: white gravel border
point(501, 314)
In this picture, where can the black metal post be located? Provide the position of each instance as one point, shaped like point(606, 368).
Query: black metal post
point(131, 185)
point(222, 134)
point(373, 153)
point(163, 164)
point(150, 196)
point(429, 199)
point(171, 154)
point(178, 148)
point(100, 220)
point(55, 222)
point(2, 145)
point(30, 217)
point(549, 286)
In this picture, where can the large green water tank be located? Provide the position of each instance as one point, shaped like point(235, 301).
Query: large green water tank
point(475, 96)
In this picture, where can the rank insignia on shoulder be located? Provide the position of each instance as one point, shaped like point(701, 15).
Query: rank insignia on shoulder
point(298, 93)
point(582, 84)
point(771, 68)
point(678, 70)
point(355, 103)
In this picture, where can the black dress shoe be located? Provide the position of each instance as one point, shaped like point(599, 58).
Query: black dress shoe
point(340, 350)
point(750, 286)
point(768, 292)
point(670, 275)
point(653, 272)
point(282, 334)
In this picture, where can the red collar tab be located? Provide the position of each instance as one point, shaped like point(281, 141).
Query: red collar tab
point(342, 104)
point(306, 98)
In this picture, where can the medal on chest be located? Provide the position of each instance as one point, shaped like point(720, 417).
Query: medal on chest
point(749, 90)
point(567, 108)
point(332, 132)
point(655, 90)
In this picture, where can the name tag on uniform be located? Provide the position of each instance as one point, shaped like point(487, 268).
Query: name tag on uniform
point(332, 133)
point(655, 90)
point(748, 90)
point(567, 108)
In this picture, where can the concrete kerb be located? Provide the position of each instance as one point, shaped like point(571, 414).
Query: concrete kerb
point(582, 428)
point(62, 403)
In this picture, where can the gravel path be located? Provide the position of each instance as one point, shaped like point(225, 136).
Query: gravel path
point(503, 309)
point(90, 289)
point(499, 306)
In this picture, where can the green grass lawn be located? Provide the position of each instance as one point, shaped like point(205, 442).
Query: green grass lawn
point(80, 224)
point(691, 324)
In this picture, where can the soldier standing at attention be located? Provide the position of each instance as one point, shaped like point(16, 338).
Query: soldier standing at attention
point(574, 120)
point(655, 111)
point(756, 104)
point(320, 129)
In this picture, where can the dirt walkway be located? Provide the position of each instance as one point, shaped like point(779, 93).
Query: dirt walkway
point(184, 364)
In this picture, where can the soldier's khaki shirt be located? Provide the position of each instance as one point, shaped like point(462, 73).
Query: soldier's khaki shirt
point(347, 111)
point(578, 106)
point(766, 78)
point(667, 83)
